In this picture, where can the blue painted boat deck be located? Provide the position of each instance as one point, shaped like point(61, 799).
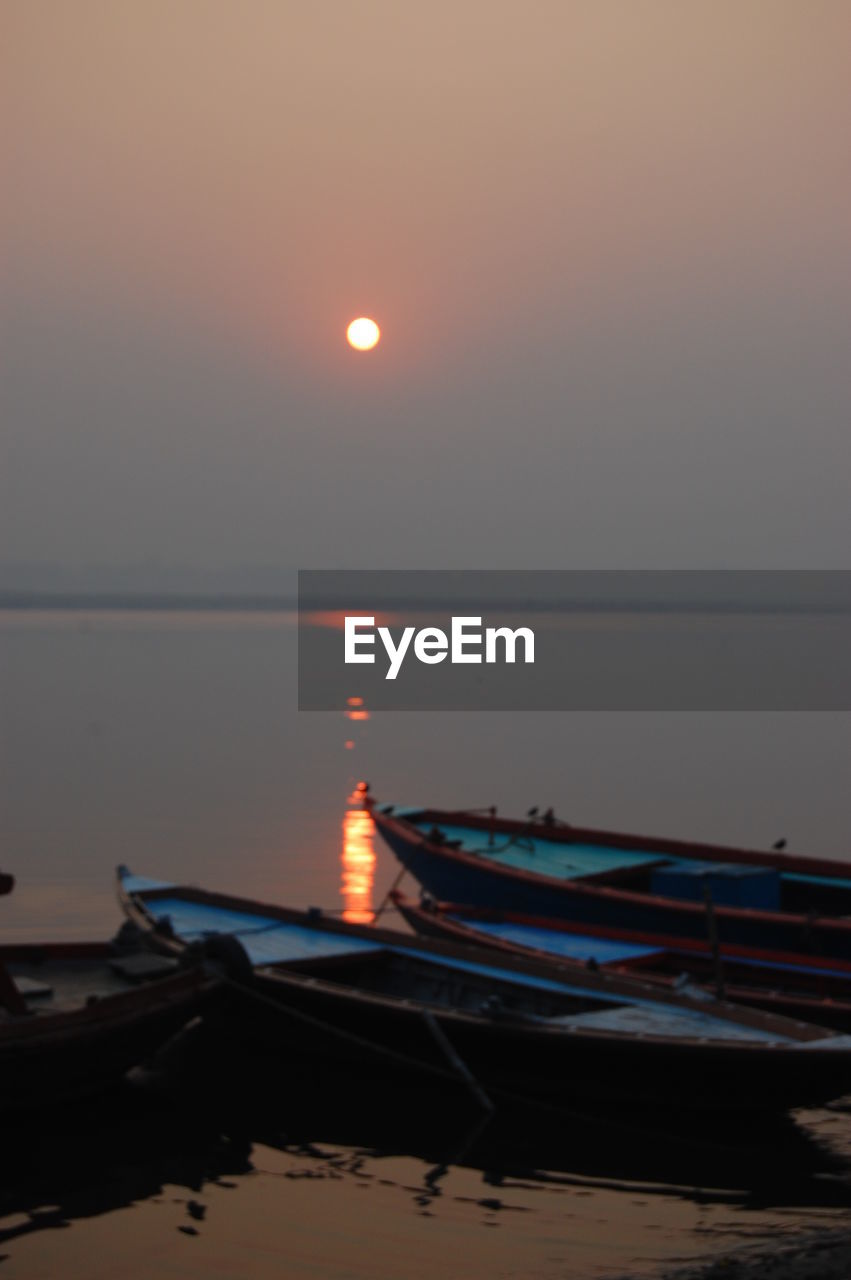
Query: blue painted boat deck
point(265, 939)
point(572, 946)
point(664, 1021)
point(632, 1014)
point(573, 861)
point(838, 882)
point(582, 947)
point(545, 857)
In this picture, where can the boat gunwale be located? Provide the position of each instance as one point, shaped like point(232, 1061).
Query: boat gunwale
point(531, 1029)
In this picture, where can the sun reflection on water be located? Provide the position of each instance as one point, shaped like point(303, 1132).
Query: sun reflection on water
point(358, 859)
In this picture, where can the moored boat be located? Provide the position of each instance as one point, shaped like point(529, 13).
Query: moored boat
point(76, 1016)
point(544, 868)
point(805, 987)
point(311, 988)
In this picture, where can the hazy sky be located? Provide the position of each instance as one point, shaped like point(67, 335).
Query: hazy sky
point(608, 243)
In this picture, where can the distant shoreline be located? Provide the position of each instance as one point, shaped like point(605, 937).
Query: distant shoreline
point(15, 600)
point(142, 602)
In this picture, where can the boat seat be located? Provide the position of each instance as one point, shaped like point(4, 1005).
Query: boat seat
point(145, 965)
point(33, 988)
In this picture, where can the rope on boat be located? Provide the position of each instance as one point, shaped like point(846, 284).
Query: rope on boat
point(384, 901)
point(459, 1065)
point(362, 1042)
point(457, 1071)
point(521, 841)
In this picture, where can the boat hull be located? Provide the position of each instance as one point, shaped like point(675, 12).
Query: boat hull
point(379, 1000)
point(311, 1025)
point(451, 875)
point(48, 1058)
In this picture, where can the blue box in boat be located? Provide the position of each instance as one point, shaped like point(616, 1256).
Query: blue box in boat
point(732, 884)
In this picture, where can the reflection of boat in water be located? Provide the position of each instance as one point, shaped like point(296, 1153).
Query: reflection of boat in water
point(319, 989)
point(108, 1153)
point(818, 990)
point(358, 861)
point(549, 869)
point(127, 1147)
point(770, 1160)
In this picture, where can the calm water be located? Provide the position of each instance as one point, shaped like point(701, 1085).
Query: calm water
point(172, 743)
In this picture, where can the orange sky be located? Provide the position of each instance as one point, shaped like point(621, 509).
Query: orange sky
point(556, 210)
point(294, 164)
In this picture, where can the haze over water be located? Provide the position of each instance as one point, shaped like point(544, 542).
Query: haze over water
point(171, 742)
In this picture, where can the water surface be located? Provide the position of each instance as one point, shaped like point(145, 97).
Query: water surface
point(171, 742)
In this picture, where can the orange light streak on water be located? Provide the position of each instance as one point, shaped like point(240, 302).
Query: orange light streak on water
point(358, 859)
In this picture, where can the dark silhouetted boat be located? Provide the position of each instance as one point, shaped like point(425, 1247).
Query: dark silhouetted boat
point(541, 867)
point(808, 988)
point(309, 987)
point(76, 1016)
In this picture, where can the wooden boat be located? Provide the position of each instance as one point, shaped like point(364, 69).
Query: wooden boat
point(807, 988)
point(313, 988)
point(541, 867)
point(74, 1017)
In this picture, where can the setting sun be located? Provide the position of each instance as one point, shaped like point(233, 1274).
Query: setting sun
point(363, 334)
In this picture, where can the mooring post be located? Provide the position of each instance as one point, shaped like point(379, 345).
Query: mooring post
point(712, 931)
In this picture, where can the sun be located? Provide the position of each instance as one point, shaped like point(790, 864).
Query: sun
point(363, 334)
